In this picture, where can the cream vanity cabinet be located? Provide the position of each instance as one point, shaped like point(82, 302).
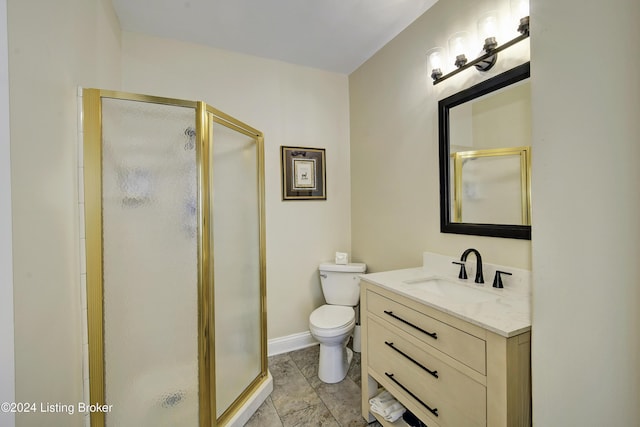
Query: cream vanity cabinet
point(446, 371)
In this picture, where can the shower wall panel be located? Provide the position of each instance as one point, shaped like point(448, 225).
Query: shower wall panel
point(150, 264)
point(236, 254)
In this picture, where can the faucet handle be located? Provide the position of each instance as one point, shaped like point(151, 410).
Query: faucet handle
point(497, 281)
point(463, 271)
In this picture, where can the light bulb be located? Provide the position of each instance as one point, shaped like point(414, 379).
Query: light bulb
point(435, 62)
point(520, 14)
point(519, 9)
point(458, 47)
point(488, 29)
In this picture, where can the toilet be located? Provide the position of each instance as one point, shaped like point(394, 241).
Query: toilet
point(333, 323)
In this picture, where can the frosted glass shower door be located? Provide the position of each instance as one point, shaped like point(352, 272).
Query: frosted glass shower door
point(236, 263)
point(176, 306)
point(150, 262)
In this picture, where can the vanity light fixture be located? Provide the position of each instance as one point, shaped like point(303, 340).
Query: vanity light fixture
point(487, 30)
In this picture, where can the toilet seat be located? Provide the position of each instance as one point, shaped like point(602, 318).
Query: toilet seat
point(330, 320)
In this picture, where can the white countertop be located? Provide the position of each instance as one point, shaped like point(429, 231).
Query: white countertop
point(508, 314)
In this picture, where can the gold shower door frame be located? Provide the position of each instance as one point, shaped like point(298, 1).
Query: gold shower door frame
point(205, 114)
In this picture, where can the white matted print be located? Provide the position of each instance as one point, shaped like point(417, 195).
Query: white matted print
point(304, 174)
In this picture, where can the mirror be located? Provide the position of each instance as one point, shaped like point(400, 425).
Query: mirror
point(485, 160)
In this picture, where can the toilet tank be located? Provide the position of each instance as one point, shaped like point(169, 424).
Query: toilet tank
point(340, 282)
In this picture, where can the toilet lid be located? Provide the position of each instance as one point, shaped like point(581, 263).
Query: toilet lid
point(332, 316)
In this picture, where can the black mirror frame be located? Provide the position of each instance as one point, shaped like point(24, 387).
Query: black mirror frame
point(507, 78)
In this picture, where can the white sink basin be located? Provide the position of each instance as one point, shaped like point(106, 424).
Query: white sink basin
point(455, 292)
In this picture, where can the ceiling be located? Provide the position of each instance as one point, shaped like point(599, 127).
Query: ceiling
point(333, 35)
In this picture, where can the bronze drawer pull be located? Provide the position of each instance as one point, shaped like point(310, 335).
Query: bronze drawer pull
point(433, 373)
point(431, 334)
point(434, 411)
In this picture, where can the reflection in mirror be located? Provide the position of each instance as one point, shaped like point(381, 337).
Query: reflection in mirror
point(485, 134)
point(491, 186)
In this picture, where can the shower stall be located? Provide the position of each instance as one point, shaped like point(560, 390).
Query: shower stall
point(175, 259)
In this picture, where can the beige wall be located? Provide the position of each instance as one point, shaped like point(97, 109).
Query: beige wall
point(586, 210)
point(394, 146)
point(79, 43)
point(291, 105)
point(586, 234)
point(7, 358)
point(54, 47)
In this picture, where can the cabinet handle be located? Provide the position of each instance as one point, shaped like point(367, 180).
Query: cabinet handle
point(433, 373)
point(434, 411)
point(431, 334)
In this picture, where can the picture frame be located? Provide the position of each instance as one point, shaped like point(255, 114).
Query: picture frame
point(303, 173)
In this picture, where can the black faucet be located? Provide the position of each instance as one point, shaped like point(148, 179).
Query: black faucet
point(463, 258)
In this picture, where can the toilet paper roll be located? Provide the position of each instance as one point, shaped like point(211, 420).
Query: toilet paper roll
point(342, 258)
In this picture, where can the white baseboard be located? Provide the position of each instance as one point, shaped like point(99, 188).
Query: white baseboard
point(290, 343)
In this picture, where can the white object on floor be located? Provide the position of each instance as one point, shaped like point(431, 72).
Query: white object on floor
point(333, 323)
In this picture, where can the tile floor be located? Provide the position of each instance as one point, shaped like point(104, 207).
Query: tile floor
point(299, 398)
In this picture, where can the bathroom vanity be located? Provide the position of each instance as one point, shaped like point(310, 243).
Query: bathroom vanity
point(454, 353)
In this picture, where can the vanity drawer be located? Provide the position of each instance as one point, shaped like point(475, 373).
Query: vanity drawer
point(465, 348)
point(444, 394)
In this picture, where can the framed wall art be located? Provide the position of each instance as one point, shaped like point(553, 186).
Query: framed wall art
point(303, 173)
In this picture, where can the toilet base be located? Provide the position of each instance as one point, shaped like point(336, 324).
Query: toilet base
point(334, 363)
